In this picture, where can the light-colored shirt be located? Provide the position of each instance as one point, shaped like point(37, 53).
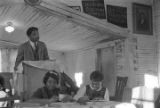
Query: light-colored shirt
point(3, 95)
point(82, 93)
point(32, 44)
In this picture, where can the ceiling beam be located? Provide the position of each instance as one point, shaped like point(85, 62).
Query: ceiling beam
point(8, 44)
point(81, 18)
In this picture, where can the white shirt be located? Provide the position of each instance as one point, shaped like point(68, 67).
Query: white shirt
point(82, 93)
point(2, 95)
point(32, 44)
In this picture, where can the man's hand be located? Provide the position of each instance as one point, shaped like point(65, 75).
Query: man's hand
point(98, 98)
point(83, 100)
point(54, 99)
point(67, 98)
point(15, 68)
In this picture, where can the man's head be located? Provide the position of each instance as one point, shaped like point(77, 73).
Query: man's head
point(33, 34)
point(96, 79)
point(50, 80)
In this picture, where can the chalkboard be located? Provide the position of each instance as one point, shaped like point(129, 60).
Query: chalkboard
point(94, 8)
point(117, 15)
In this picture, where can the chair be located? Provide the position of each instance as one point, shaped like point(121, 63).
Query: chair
point(120, 85)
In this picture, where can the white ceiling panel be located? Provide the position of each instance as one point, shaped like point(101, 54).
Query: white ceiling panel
point(60, 27)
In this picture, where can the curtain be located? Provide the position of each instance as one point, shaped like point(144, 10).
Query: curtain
point(8, 57)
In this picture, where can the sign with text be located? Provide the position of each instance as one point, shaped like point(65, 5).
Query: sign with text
point(94, 8)
point(117, 15)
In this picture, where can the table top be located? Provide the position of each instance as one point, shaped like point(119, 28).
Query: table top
point(104, 104)
point(10, 98)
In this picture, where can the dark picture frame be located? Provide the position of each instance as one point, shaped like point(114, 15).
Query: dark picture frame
point(117, 15)
point(95, 8)
point(142, 19)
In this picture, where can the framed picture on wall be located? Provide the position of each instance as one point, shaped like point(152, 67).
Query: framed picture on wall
point(142, 19)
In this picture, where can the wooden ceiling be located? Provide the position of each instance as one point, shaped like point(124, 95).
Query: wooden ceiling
point(60, 27)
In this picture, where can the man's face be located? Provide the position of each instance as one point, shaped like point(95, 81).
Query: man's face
point(34, 37)
point(96, 84)
point(51, 83)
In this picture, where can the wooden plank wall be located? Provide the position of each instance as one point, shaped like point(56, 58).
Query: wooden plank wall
point(156, 7)
point(139, 51)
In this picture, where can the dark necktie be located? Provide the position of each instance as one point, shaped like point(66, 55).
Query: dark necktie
point(36, 51)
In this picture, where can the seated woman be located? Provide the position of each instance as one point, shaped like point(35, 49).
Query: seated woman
point(50, 91)
point(3, 94)
point(93, 91)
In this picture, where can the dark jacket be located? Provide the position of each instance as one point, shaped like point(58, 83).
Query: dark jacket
point(157, 102)
point(92, 94)
point(43, 93)
point(26, 52)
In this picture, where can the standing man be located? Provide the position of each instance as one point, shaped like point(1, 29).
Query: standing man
point(33, 49)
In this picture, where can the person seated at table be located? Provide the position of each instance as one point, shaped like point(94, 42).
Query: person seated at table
point(50, 91)
point(68, 85)
point(93, 91)
point(157, 102)
point(3, 94)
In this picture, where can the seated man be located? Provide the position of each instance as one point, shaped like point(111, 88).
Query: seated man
point(3, 94)
point(49, 92)
point(93, 91)
point(157, 102)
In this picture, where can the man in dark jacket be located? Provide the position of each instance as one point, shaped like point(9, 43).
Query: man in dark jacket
point(33, 49)
point(157, 102)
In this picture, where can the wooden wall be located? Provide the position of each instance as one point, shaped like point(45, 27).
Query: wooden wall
point(156, 8)
point(139, 52)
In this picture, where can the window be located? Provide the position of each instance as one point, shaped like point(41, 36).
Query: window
point(151, 81)
point(79, 78)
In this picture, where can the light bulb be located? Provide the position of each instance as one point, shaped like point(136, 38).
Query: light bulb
point(9, 28)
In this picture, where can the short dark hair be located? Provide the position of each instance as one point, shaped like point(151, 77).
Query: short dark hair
point(96, 76)
point(53, 74)
point(2, 81)
point(30, 29)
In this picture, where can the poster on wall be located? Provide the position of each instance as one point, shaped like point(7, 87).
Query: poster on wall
point(94, 8)
point(117, 15)
point(142, 19)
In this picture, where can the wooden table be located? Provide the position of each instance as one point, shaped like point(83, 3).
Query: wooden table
point(109, 104)
point(10, 100)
